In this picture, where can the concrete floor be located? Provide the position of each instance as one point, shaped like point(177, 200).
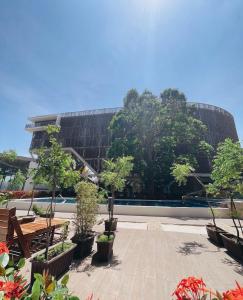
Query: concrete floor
point(149, 261)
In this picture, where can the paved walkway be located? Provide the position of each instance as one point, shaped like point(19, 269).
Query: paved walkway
point(151, 255)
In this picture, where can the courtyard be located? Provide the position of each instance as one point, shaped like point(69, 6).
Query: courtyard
point(151, 255)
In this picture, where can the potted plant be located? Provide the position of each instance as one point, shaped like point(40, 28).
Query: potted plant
point(114, 177)
point(227, 178)
point(105, 246)
point(85, 218)
point(58, 260)
point(181, 172)
point(56, 168)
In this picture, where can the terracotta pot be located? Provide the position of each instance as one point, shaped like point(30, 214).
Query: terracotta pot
point(57, 266)
point(105, 250)
point(84, 245)
point(233, 246)
point(214, 234)
point(111, 225)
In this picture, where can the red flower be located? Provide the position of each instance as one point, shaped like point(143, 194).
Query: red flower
point(13, 290)
point(236, 294)
point(190, 288)
point(3, 248)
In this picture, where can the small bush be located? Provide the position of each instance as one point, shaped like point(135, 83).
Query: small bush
point(104, 238)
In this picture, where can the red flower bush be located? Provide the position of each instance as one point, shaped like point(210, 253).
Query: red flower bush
point(3, 248)
point(190, 288)
point(236, 294)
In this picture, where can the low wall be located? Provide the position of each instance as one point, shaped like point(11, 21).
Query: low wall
point(159, 211)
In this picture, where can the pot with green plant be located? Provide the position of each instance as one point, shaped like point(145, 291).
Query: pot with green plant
point(39, 211)
point(85, 218)
point(105, 246)
point(57, 168)
point(181, 172)
point(59, 259)
point(227, 176)
point(114, 177)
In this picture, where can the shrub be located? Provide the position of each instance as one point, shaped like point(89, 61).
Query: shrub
point(87, 207)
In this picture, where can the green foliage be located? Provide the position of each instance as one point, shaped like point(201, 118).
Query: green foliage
point(87, 207)
point(55, 166)
point(157, 133)
point(54, 251)
point(5, 198)
point(9, 155)
point(37, 210)
point(116, 172)
point(105, 238)
point(227, 174)
point(17, 182)
point(181, 173)
point(46, 287)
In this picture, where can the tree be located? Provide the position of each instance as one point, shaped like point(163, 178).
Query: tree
point(227, 174)
point(157, 132)
point(17, 182)
point(116, 172)
point(6, 159)
point(56, 168)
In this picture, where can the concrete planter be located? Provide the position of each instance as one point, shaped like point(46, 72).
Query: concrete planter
point(233, 246)
point(56, 266)
point(214, 234)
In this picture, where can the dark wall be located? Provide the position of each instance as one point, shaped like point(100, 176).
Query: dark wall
point(89, 134)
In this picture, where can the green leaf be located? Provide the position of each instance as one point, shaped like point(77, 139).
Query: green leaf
point(9, 271)
point(4, 259)
point(36, 290)
point(73, 298)
point(1, 295)
point(21, 263)
point(65, 280)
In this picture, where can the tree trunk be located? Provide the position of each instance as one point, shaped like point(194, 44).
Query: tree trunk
point(233, 217)
point(49, 223)
point(32, 199)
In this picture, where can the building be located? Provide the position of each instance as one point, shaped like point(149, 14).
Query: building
point(86, 134)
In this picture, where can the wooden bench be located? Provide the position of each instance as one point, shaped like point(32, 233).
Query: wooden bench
point(26, 235)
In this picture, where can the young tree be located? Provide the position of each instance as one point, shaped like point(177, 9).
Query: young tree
point(116, 172)
point(227, 174)
point(56, 168)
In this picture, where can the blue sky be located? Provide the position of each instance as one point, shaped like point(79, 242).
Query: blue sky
point(58, 56)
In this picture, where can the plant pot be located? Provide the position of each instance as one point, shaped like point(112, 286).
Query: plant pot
point(214, 234)
point(105, 250)
point(111, 225)
point(56, 266)
point(234, 247)
point(84, 245)
point(28, 219)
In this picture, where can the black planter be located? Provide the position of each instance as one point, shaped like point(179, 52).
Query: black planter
point(214, 234)
point(105, 250)
point(233, 246)
point(84, 245)
point(28, 219)
point(57, 266)
point(111, 225)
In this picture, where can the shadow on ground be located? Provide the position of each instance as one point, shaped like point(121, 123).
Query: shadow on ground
point(191, 248)
point(237, 265)
point(90, 263)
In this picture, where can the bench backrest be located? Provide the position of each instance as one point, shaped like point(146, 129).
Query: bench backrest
point(6, 226)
